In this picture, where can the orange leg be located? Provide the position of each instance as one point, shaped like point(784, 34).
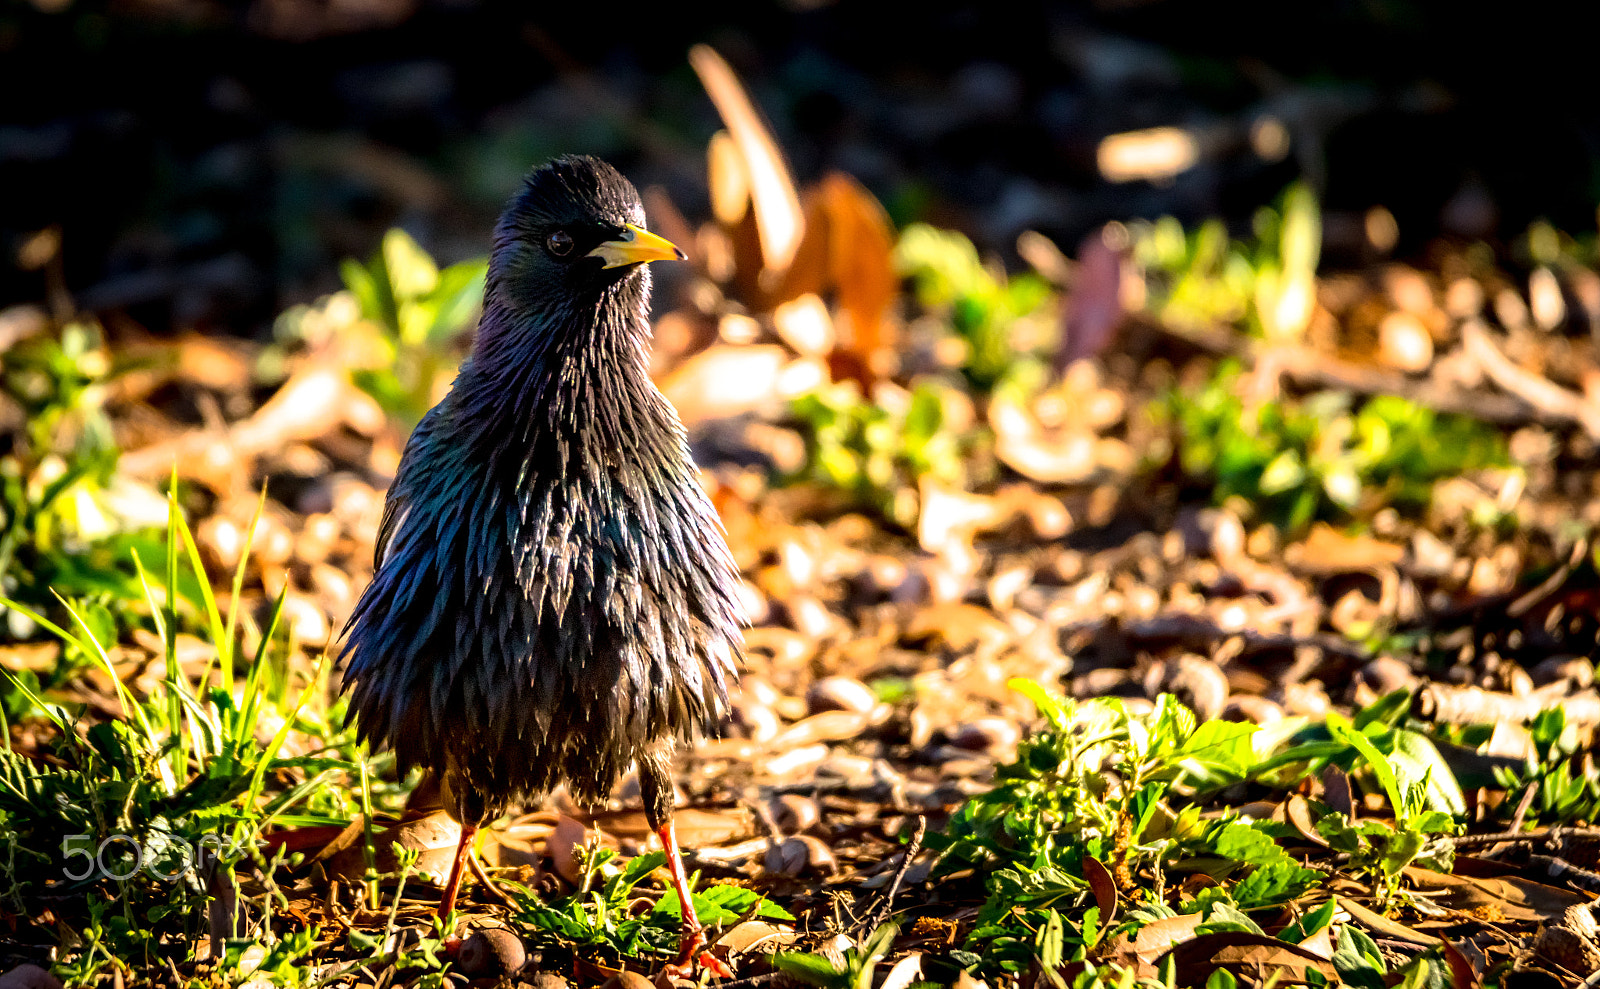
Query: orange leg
point(447, 902)
point(692, 936)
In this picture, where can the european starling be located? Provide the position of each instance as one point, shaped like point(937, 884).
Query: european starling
point(553, 598)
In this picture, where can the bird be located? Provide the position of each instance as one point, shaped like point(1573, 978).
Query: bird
point(553, 596)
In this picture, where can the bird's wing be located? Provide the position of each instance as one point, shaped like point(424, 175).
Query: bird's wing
point(395, 511)
point(397, 507)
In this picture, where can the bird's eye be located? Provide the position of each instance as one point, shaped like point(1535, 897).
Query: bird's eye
point(559, 243)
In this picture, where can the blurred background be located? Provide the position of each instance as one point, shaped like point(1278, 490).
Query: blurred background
point(209, 163)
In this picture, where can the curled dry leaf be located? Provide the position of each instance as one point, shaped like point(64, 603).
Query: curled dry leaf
point(434, 836)
point(1094, 310)
point(905, 972)
point(848, 250)
point(1104, 888)
point(800, 853)
point(755, 936)
point(1382, 926)
point(1458, 705)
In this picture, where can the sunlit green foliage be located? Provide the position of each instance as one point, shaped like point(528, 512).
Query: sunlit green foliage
point(598, 917)
point(398, 325)
point(68, 523)
point(1323, 457)
point(983, 306)
point(133, 810)
point(1201, 278)
point(878, 451)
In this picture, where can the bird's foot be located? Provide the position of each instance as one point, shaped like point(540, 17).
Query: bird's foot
point(690, 957)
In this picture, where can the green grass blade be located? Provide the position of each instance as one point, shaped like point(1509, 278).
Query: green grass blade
point(124, 695)
point(213, 615)
point(238, 588)
point(250, 699)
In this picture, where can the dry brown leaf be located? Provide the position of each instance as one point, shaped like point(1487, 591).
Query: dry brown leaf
point(725, 380)
point(696, 828)
point(754, 936)
point(1154, 940)
point(772, 192)
point(860, 267)
point(1514, 897)
point(1256, 955)
point(434, 836)
point(1449, 703)
point(1378, 924)
point(729, 179)
point(828, 726)
point(1327, 551)
point(905, 971)
point(1094, 310)
point(36, 657)
point(1104, 888)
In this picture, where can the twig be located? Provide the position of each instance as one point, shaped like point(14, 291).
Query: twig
point(489, 885)
point(1557, 867)
point(1523, 805)
point(749, 983)
point(1542, 395)
point(912, 848)
point(1550, 584)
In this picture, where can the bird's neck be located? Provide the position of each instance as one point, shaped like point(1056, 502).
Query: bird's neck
point(581, 374)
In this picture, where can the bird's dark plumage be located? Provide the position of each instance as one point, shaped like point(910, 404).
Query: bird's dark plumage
point(553, 597)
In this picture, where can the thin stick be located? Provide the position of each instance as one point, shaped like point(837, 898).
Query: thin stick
point(912, 848)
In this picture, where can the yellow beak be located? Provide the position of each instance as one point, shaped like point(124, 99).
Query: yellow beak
point(636, 245)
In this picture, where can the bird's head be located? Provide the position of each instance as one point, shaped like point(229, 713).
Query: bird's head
point(572, 234)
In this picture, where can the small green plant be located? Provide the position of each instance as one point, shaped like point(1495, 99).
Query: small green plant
point(856, 970)
point(1201, 279)
point(1320, 458)
point(421, 309)
point(989, 311)
point(1096, 783)
point(1423, 793)
point(878, 452)
point(398, 324)
point(598, 918)
point(68, 524)
point(1569, 785)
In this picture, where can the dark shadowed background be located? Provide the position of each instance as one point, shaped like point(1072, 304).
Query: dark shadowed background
point(209, 163)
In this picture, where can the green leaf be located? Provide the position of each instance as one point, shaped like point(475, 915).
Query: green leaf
point(1343, 731)
point(1418, 758)
point(814, 970)
point(1309, 924)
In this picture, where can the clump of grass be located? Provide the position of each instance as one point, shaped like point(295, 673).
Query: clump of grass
point(124, 827)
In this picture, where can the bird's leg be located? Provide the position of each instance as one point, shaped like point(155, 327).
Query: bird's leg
point(655, 787)
point(692, 937)
point(447, 902)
